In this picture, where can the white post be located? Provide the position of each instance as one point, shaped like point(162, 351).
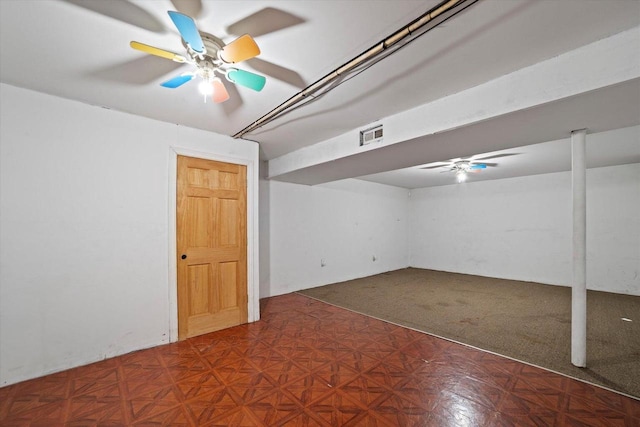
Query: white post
point(579, 286)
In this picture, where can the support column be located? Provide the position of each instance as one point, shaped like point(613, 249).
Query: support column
point(579, 285)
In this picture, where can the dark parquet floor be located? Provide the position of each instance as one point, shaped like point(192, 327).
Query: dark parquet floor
point(307, 363)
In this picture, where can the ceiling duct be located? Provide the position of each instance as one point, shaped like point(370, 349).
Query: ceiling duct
point(373, 134)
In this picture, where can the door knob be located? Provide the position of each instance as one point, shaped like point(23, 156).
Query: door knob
point(183, 256)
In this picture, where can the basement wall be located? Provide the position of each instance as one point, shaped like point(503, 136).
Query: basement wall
point(344, 225)
point(84, 226)
point(520, 228)
point(84, 230)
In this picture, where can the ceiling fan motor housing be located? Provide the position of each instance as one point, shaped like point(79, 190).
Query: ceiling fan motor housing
point(212, 45)
point(207, 62)
point(463, 166)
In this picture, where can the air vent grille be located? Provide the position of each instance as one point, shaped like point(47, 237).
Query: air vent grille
point(370, 135)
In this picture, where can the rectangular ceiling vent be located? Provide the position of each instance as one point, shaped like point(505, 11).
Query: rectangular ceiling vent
point(370, 135)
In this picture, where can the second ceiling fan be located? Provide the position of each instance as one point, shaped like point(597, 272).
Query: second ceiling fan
point(211, 57)
point(462, 166)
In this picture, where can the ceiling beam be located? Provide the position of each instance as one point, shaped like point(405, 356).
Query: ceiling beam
point(599, 65)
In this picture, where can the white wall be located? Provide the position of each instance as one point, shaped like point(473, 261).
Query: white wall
point(85, 230)
point(520, 228)
point(84, 247)
point(345, 223)
point(613, 229)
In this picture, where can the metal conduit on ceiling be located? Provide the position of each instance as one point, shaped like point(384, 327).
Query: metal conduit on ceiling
point(420, 26)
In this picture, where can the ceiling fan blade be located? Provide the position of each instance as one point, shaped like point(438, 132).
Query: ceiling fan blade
point(142, 70)
point(188, 30)
point(497, 156)
point(241, 49)
point(276, 71)
point(124, 11)
point(235, 100)
point(157, 52)
point(478, 166)
point(246, 79)
point(188, 7)
point(435, 167)
point(178, 81)
point(264, 21)
point(220, 93)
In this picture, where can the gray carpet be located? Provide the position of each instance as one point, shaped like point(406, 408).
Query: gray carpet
point(523, 320)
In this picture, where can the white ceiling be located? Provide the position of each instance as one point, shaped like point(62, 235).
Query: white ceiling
point(79, 49)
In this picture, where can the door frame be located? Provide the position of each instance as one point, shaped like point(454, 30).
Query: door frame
point(253, 285)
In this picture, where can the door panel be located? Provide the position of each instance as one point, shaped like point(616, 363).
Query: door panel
point(211, 235)
point(228, 221)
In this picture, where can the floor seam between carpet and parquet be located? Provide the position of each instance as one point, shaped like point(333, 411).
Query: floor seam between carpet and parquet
point(515, 359)
point(309, 363)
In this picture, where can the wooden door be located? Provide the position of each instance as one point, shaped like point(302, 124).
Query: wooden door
point(211, 246)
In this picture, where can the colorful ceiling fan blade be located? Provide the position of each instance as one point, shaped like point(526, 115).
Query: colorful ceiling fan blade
point(220, 93)
point(246, 79)
point(478, 166)
point(178, 81)
point(188, 30)
point(157, 52)
point(241, 49)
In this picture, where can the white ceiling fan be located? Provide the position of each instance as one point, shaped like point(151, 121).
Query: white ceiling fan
point(463, 166)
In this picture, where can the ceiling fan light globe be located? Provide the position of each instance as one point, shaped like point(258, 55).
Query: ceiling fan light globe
point(205, 88)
